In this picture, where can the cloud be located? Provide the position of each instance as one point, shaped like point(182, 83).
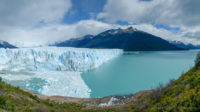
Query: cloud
point(24, 37)
point(168, 12)
point(173, 13)
point(28, 23)
point(167, 34)
point(27, 13)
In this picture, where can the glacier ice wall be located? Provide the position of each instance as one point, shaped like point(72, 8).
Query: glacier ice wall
point(52, 70)
point(54, 58)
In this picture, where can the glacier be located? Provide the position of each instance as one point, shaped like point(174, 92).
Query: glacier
point(55, 58)
point(52, 70)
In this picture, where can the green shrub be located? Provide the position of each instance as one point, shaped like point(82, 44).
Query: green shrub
point(2, 101)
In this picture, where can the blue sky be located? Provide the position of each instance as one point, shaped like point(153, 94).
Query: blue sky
point(83, 10)
point(26, 23)
point(89, 9)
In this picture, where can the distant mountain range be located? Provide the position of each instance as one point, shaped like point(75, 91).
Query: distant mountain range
point(129, 39)
point(4, 44)
point(185, 46)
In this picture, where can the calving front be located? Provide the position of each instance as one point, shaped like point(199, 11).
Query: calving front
point(54, 58)
point(57, 70)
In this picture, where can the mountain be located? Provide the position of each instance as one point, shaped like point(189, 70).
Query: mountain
point(129, 39)
point(4, 44)
point(185, 46)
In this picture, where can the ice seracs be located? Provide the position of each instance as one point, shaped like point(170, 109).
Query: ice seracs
point(54, 58)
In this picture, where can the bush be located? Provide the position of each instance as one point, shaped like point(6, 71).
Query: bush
point(2, 101)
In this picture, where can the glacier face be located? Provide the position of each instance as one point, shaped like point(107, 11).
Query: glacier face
point(54, 58)
point(52, 70)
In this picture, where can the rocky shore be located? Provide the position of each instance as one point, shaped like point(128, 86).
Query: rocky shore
point(97, 102)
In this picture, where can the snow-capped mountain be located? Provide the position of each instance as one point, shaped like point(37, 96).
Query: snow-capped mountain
point(129, 39)
point(118, 31)
point(4, 44)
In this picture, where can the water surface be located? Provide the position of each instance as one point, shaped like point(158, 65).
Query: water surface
point(139, 71)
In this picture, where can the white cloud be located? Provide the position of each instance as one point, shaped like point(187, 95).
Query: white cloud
point(54, 33)
point(20, 19)
point(168, 35)
point(45, 35)
point(169, 12)
point(174, 13)
point(27, 13)
point(21, 22)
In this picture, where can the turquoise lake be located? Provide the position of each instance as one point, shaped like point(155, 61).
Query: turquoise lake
point(138, 71)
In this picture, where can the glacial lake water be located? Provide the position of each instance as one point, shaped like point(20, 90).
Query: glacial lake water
point(137, 71)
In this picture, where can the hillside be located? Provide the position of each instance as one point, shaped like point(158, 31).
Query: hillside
point(129, 39)
point(75, 42)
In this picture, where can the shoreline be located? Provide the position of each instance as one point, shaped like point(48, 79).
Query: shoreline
point(107, 101)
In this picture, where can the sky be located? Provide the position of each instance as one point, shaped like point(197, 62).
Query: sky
point(28, 23)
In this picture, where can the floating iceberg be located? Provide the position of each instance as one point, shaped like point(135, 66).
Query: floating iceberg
point(52, 70)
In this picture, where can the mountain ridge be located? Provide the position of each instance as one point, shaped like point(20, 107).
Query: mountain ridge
point(4, 44)
point(185, 46)
point(129, 39)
